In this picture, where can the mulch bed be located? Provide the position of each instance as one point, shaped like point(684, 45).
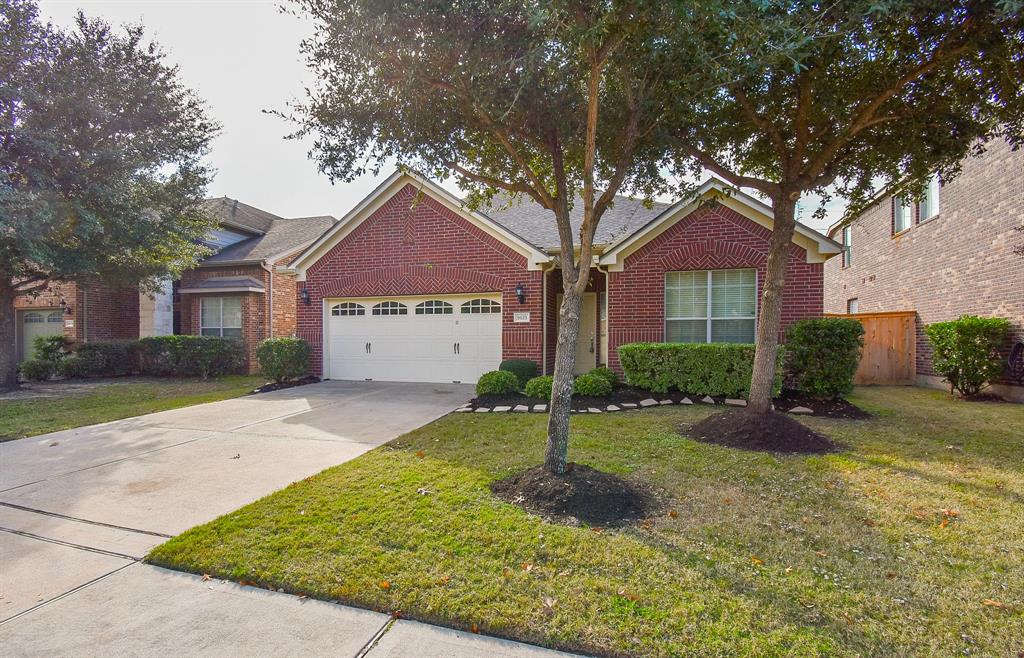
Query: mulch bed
point(771, 432)
point(274, 386)
point(629, 394)
point(582, 494)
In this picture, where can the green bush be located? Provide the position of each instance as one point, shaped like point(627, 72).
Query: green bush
point(190, 356)
point(697, 368)
point(540, 387)
point(523, 369)
point(966, 351)
point(75, 366)
point(823, 355)
point(36, 370)
point(593, 385)
point(50, 348)
point(497, 382)
point(606, 373)
point(113, 358)
point(282, 359)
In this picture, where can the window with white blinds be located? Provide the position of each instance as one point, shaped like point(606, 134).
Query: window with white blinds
point(711, 306)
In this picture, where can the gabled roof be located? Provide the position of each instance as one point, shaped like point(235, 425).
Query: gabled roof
point(273, 237)
point(234, 213)
point(534, 254)
point(819, 248)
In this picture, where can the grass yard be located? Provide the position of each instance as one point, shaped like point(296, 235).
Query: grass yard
point(122, 398)
point(910, 542)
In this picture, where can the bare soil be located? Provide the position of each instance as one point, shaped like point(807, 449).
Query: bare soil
point(770, 432)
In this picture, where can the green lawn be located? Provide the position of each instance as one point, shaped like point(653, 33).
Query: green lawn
point(909, 542)
point(118, 399)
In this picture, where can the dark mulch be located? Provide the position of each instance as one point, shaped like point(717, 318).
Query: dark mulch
point(274, 386)
point(582, 494)
point(771, 432)
point(827, 408)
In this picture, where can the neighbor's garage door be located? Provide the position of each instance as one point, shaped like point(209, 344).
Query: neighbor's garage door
point(446, 338)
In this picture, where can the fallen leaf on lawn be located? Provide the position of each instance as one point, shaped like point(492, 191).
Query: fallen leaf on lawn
point(821, 553)
point(385, 584)
point(206, 577)
point(890, 574)
point(247, 583)
point(421, 454)
point(474, 628)
point(646, 524)
point(626, 595)
point(506, 572)
point(443, 580)
point(527, 566)
point(302, 596)
point(566, 572)
point(789, 569)
point(423, 492)
point(945, 522)
point(870, 523)
point(727, 501)
point(549, 605)
point(672, 514)
point(756, 560)
point(54, 444)
point(597, 529)
point(951, 513)
point(992, 603)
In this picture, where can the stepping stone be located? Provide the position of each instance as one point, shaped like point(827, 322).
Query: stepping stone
point(686, 401)
point(593, 410)
point(503, 408)
point(707, 399)
point(540, 408)
point(665, 402)
point(628, 405)
point(649, 402)
point(578, 411)
point(612, 407)
point(482, 410)
point(801, 410)
point(462, 410)
point(735, 403)
point(521, 408)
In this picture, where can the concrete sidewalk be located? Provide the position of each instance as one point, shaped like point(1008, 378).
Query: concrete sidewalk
point(80, 508)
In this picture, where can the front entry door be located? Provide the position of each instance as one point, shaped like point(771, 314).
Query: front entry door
point(588, 341)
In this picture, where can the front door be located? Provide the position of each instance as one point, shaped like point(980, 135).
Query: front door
point(34, 323)
point(587, 341)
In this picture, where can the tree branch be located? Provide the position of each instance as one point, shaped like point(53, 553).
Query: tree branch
point(764, 124)
point(712, 164)
point(515, 188)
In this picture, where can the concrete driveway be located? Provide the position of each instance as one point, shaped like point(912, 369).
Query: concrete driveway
point(80, 508)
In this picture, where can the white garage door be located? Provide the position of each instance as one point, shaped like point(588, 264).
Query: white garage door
point(445, 338)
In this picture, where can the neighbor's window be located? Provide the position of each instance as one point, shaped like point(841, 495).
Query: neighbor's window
point(902, 214)
point(929, 206)
point(221, 316)
point(710, 306)
point(852, 305)
point(847, 246)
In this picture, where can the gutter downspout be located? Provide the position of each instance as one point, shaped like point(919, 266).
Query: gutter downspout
point(607, 312)
point(270, 299)
point(544, 320)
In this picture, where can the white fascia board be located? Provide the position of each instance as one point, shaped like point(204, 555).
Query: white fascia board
point(383, 193)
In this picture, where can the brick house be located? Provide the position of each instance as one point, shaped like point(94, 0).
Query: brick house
point(413, 286)
point(239, 291)
point(949, 255)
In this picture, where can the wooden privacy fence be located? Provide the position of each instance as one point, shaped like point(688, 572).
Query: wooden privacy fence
point(890, 347)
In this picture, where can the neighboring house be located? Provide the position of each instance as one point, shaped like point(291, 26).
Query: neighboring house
point(412, 286)
point(949, 255)
point(236, 292)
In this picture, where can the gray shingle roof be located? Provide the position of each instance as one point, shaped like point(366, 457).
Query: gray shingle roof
point(240, 214)
point(536, 224)
point(274, 235)
point(213, 284)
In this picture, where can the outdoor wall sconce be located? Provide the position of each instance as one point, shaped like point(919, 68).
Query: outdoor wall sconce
point(521, 293)
point(65, 306)
point(306, 299)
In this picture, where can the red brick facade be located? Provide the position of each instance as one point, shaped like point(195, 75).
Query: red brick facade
point(414, 245)
point(711, 238)
point(959, 262)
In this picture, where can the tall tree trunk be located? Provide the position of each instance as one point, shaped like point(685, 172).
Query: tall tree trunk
point(770, 317)
point(8, 348)
point(557, 451)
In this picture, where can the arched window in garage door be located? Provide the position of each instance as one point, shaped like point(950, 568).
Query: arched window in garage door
point(390, 308)
point(433, 307)
point(348, 308)
point(481, 306)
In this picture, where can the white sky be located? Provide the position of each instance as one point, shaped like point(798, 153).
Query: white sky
point(242, 56)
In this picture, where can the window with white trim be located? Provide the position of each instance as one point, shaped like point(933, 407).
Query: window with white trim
point(433, 307)
point(33, 318)
point(348, 308)
point(902, 214)
point(847, 246)
point(929, 204)
point(481, 306)
point(221, 316)
point(710, 306)
point(390, 308)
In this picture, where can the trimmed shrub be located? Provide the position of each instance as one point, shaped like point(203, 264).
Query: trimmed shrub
point(540, 387)
point(592, 384)
point(823, 355)
point(112, 358)
point(523, 369)
point(190, 356)
point(966, 351)
point(606, 373)
point(36, 370)
point(50, 348)
point(497, 382)
point(75, 366)
point(282, 359)
point(697, 368)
